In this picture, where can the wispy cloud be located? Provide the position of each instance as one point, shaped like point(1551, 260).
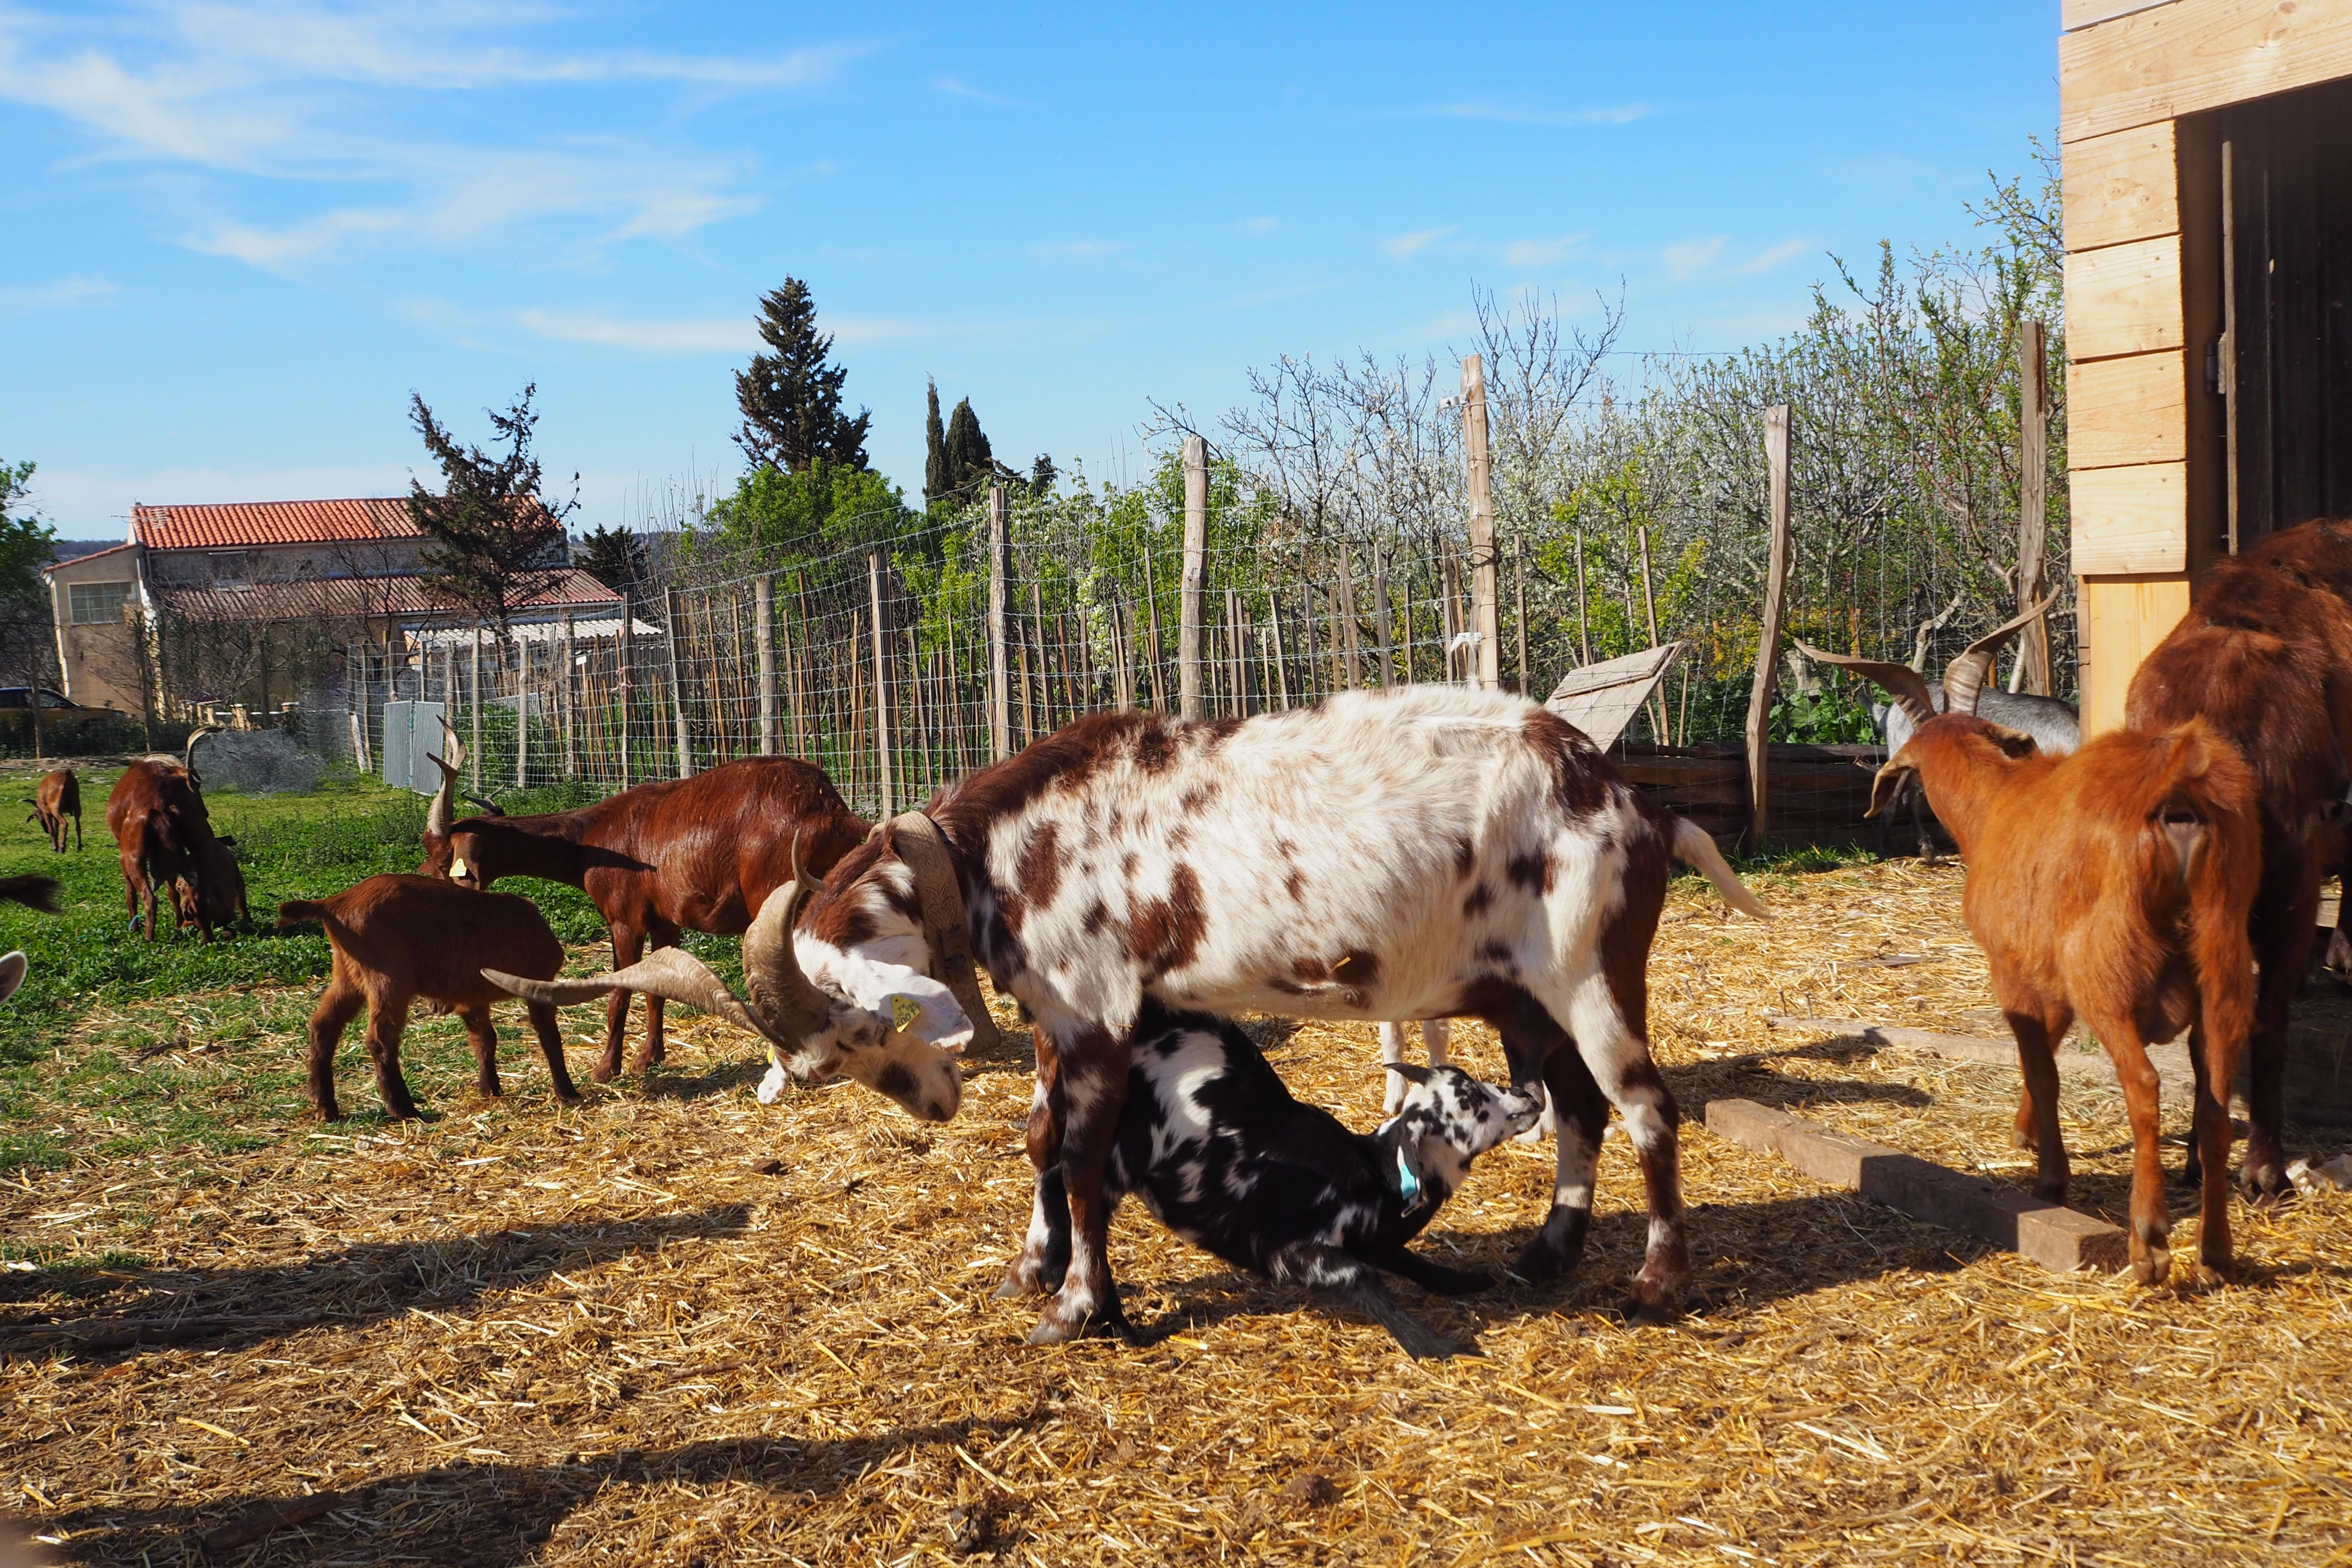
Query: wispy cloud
point(1687, 257)
point(1765, 260)
point(267, 92)
point(58, 293)
point(1405, 247)
point(955, 87)
point(1513, 114)
point(1893, 174)
point(1543, 252)
point(719, 335)
point(1258, 224)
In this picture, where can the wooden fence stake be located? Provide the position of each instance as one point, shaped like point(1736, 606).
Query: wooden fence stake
point(2031, 671)
point(882, 736)
point(1768, 643)
point(1188, 601)
point(563, 714)
point(1351, 668)
point(763, 639)
point(1383, 632)
point(624, 681)
point(676, 604)
point(1281, 657)
point(474, 703)
point(1485, 614)
point(1151, 603)
point(1519, 581)
point(999, 671)
point(522, 712)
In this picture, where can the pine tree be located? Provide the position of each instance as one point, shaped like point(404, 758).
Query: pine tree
point(790, 398)
point(935, 484)
point(968, 463)
point(494, 541)
point(616, 558)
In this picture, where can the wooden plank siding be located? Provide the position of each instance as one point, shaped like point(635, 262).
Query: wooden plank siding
point(2129, 410)
point(2074, 14)
point(2130, 521)
point(2124, 300)
point(2121, 620)
point(2194, 55)
point(2121, 187)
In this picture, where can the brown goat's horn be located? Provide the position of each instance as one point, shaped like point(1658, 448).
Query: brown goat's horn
point(1903, 683)
point(667, 971)
point(1964, 678)
point(439, 815)
point(188, 751)
point(787, 1003)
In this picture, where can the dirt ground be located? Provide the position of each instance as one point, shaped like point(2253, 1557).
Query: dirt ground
point(677, 1327)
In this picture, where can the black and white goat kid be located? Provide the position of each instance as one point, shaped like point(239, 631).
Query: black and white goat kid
point(1225, 1156)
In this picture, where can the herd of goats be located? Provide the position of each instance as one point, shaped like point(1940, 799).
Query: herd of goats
point(1135, 881)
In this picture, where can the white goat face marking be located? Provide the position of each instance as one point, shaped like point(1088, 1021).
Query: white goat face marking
point(1464, 1115)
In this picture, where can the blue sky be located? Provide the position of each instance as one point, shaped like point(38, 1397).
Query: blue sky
point(240, 233)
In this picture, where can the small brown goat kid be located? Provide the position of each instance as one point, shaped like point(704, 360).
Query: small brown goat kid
point(58, 796)
point(2112, 885)
point(399, 938)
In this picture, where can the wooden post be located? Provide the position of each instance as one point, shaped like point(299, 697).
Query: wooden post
point(1122, 673)
point(1281, 655)
point(763, 639)
point(625, 682)
point(2229, 355)
point(2031, 671)
point(1382, 628)
point(1152, 603)
point(1519, 581)
point(883, 760)
point(1352, 670)
point(1768, 645)
point(565, 673)
point(1484, 590)
point(1000, 663)
point(674, 603)
point(475, 697)
point(1188, 601)
point(522, 711)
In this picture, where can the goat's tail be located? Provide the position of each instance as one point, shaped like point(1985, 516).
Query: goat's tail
point(33, 891)
point(296, 912)
point(2208, 832)
point(1695, 848)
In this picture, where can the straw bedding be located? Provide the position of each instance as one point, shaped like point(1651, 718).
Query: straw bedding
point(679, 1327)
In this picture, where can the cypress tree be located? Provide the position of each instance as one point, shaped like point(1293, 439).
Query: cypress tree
point(936, 481)
point(970, 464)
point(790, 398)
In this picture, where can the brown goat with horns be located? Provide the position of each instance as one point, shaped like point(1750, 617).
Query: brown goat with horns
point(2112, 885)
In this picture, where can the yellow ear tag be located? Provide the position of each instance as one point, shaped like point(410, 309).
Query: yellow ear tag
point(458, 866)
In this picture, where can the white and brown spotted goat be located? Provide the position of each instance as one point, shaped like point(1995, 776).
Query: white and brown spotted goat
point(1434, 852)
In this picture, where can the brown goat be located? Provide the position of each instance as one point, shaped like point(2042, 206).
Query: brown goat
point(2115, 886)
point(156, 812)
point(57, 797)
point(398, 938)
point(2265, 656)
point(698, 853)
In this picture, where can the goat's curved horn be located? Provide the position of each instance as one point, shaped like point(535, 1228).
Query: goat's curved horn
point(188, 750)
point(1964, 678)
point(790, 1005)
point(439, 815)
point(1903, 683)
point(667, 971)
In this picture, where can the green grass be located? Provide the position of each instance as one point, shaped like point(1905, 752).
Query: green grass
point(181, 1050)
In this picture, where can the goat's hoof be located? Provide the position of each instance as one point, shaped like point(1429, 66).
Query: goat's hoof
point(1025, 1278)
point(2264, 1184)
point(569, 1096)
point(600, 1073)
point(1543, 1261)
point(1641, 1312)
point(2155, 1268)
point(2209, 1272)
point(1423, 1346)
point(1060, 1326)
point(1460, 1282)
point(2051, 1192)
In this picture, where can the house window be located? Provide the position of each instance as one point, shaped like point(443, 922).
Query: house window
point(96, 603)
point(229, 570)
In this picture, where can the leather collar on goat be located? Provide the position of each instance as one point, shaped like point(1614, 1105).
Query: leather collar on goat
point(924, 849)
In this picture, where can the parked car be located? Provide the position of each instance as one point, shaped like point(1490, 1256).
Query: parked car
point(52, 700)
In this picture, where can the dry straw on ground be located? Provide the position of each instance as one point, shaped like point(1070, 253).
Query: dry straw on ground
point(680, 1328)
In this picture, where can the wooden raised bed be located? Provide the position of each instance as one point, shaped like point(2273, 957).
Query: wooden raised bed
point(1819, 793)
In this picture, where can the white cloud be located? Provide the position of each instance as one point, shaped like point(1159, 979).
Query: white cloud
point(1259, 225)
point(721, 335)
point(1508, 114)
point(1892, 175)
point(1405, 247)
point(76, 289)
point(1773, 256)
point(267, 91)
point(1542, 252)
point(956, 88)
point(1686, 256)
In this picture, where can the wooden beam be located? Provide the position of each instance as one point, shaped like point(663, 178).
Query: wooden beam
point(2073, 14)
point(2131, 521)
point(1188, 597)
point(1767, 641)
point(2121, 187)
point(1485, 619)
point(2031, 671)
point(2046, 1233)
point(2125, 300)
point(2129, 411)
point(2120, 620)
point(2193, 55)
point(2176, 1077)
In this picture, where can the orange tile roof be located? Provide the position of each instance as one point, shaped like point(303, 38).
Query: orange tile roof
point(403, 597)
point(272, 522)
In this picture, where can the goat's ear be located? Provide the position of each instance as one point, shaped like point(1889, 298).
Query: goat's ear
point(2012, 742)
point(225, 840)
point(1409, 1071)
point(1890, 779)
